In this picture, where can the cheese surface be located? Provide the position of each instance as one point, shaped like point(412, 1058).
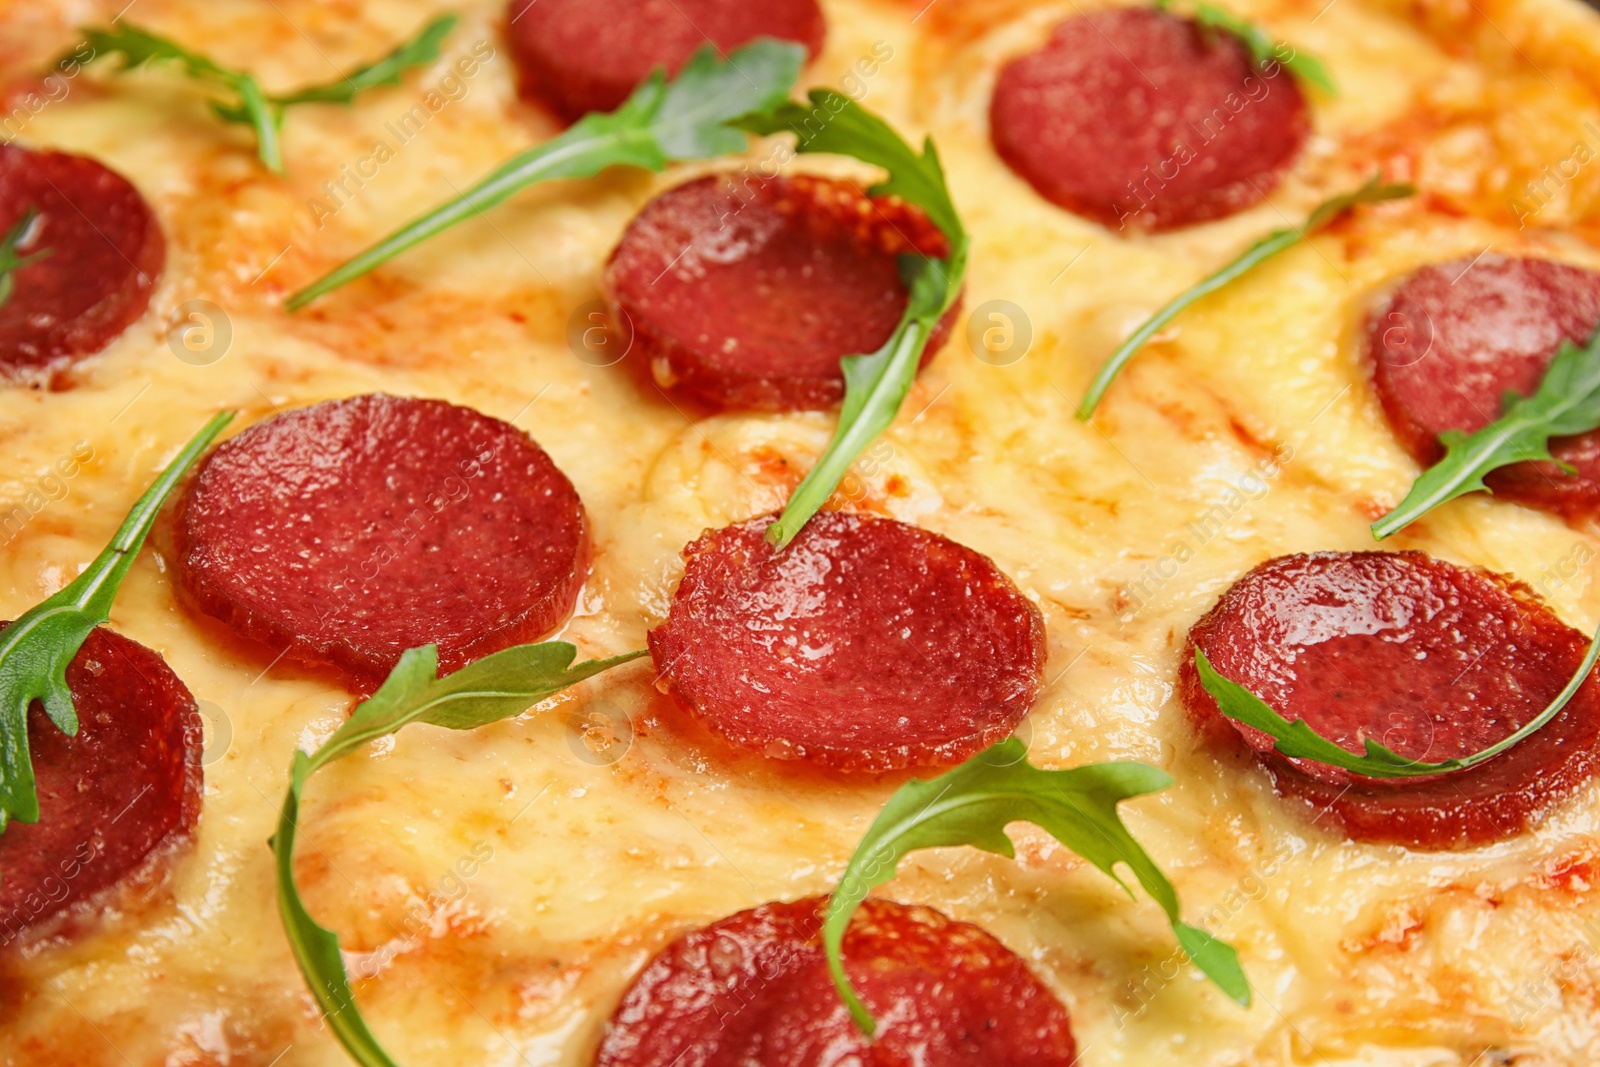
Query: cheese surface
point(495, 890)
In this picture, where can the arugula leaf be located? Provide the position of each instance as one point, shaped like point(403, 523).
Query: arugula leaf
point(662, 122)
point(10, 261)
point(973, 804)
point(876, 383)
point(36, 649)
point(1372, 192)
point(1567, 402)
point(496, 687)
point(255, 107)
point(417, 52)
point(1264, 50)
point(1299, 741)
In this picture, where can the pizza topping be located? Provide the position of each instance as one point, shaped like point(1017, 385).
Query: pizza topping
point(1143, 120)
point(1453, 342)
point(1277, 241)
point(753, 989)
point(974, 803)
point(496, 687)
point(1264, 51)
point(116, 794)
point(345, 533)
point(688, 118)
point(37, 649)
point(578, 56)
point(876, 384)
point(868, 644)
point(747, 294)
point(82, 254)
point(1433, 661)
point(243, 99)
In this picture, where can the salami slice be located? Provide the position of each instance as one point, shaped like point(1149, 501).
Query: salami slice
point(1433, 660)
point(866, 645)
point(577, 56)
point(746, 294)
point(754, 989)
point(105, 256)
point(116, 800)
point(1456, 337)
point(1143, 120)
point(345, 533)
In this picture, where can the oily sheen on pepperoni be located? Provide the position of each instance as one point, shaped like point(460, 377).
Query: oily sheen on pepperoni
point(866, 645)
point(1143, 120)
point(105, 256)
point(577, 56)
point(746, 293)
point(753, 991)
point(1456, 337)
point(116, 799)
point(1433, 660)
point(344, 533)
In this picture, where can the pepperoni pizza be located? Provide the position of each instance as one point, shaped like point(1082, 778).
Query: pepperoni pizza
point(587, 412)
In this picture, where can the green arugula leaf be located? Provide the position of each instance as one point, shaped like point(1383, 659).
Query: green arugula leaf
point(1567, 402)
point(1372, 192)
point(36, 649)
point(975, 802)
point(10, 261)
point(419, 51)
point(1299, 741)
point(496, 687)
point(662, 122)
point(255, 107)
point(876, 383)
point(1264, 50)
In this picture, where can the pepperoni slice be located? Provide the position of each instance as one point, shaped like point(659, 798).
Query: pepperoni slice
point(866, 645)
point(746, 294)
point(105, 255)
point(1456, 337)
point(116, 800)
point(577, 56)
point(345, 533)
point(754, 989)
point(1140, 119)
point(1432, 660)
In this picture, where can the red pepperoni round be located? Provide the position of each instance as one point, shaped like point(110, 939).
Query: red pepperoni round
point(746, 294)
point(1456, 337)
point(754, 989)
point(105, 255)
point(866, 645)
point(347, 532)
point(577, 56)
point(1433, 660)
point(116, 800)
point(1140, 119)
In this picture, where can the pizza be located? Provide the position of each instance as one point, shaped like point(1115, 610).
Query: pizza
point(612, 533)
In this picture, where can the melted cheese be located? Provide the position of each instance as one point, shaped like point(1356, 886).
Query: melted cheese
point(498, 888)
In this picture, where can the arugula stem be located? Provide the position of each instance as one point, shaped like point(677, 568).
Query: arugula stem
point(1297, 740)
point(262, 111)
point(1253, 257)
point(496, 687)
point(972, 804)
point(1264, 249)
point(691, 117)
point(269, 142)
point(36, 649)
point(1566, 402)
point(900, 354)
point(547, 160)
